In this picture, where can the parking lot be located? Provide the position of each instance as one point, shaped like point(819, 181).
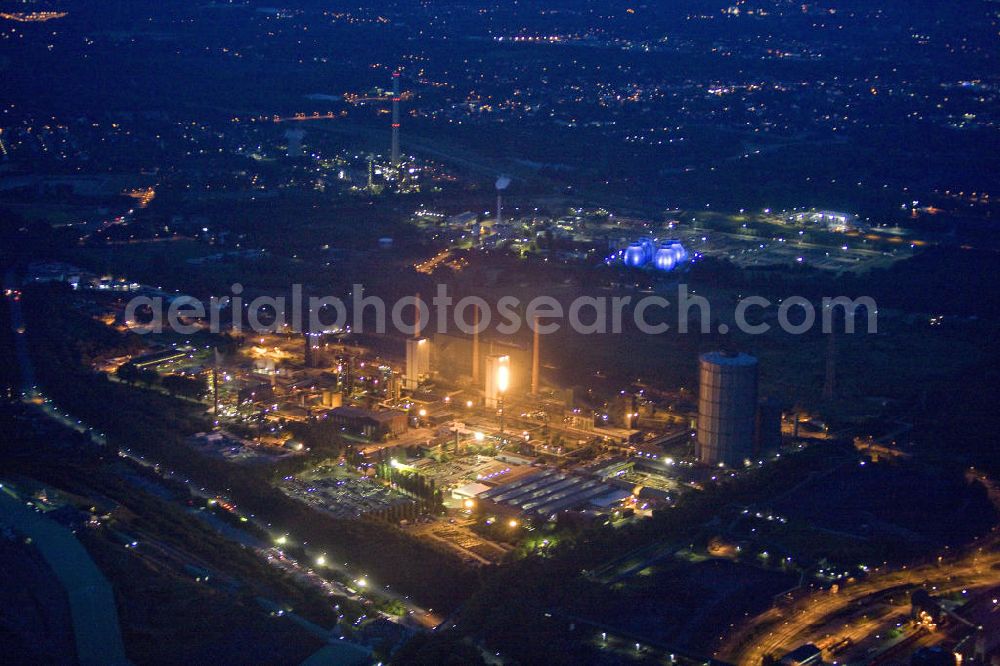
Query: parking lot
point(345, 497)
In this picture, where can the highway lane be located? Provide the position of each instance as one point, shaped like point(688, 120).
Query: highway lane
point(778, 630)
point(821, 616)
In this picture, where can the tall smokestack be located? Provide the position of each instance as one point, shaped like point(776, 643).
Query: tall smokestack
point(830, 379)
point(503, 182)
point(215, 385)
point(417, 329)
point(535, 361)
point(475, 349)
point(395, 118)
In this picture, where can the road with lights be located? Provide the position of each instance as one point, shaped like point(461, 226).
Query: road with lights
point(857, 615)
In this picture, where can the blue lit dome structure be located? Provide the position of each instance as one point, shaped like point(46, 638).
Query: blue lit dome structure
point(680, 254)
point(635, 255)
point(665, 258)
point(648, 248)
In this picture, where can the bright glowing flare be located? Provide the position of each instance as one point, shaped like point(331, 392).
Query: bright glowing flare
point(503, 378)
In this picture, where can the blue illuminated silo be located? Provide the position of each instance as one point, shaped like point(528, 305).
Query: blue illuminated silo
point(665, 259)
point(648, 248)
point(680, 254)
point(635, 255)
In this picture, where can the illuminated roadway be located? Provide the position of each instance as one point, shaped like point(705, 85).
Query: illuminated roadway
point(299, 117)
point(821, 618)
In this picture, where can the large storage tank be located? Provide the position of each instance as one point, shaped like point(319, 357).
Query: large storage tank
point(680, 254)
point(727, 408)
point(635, 255)
point(665, 258)
point(648, 248)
